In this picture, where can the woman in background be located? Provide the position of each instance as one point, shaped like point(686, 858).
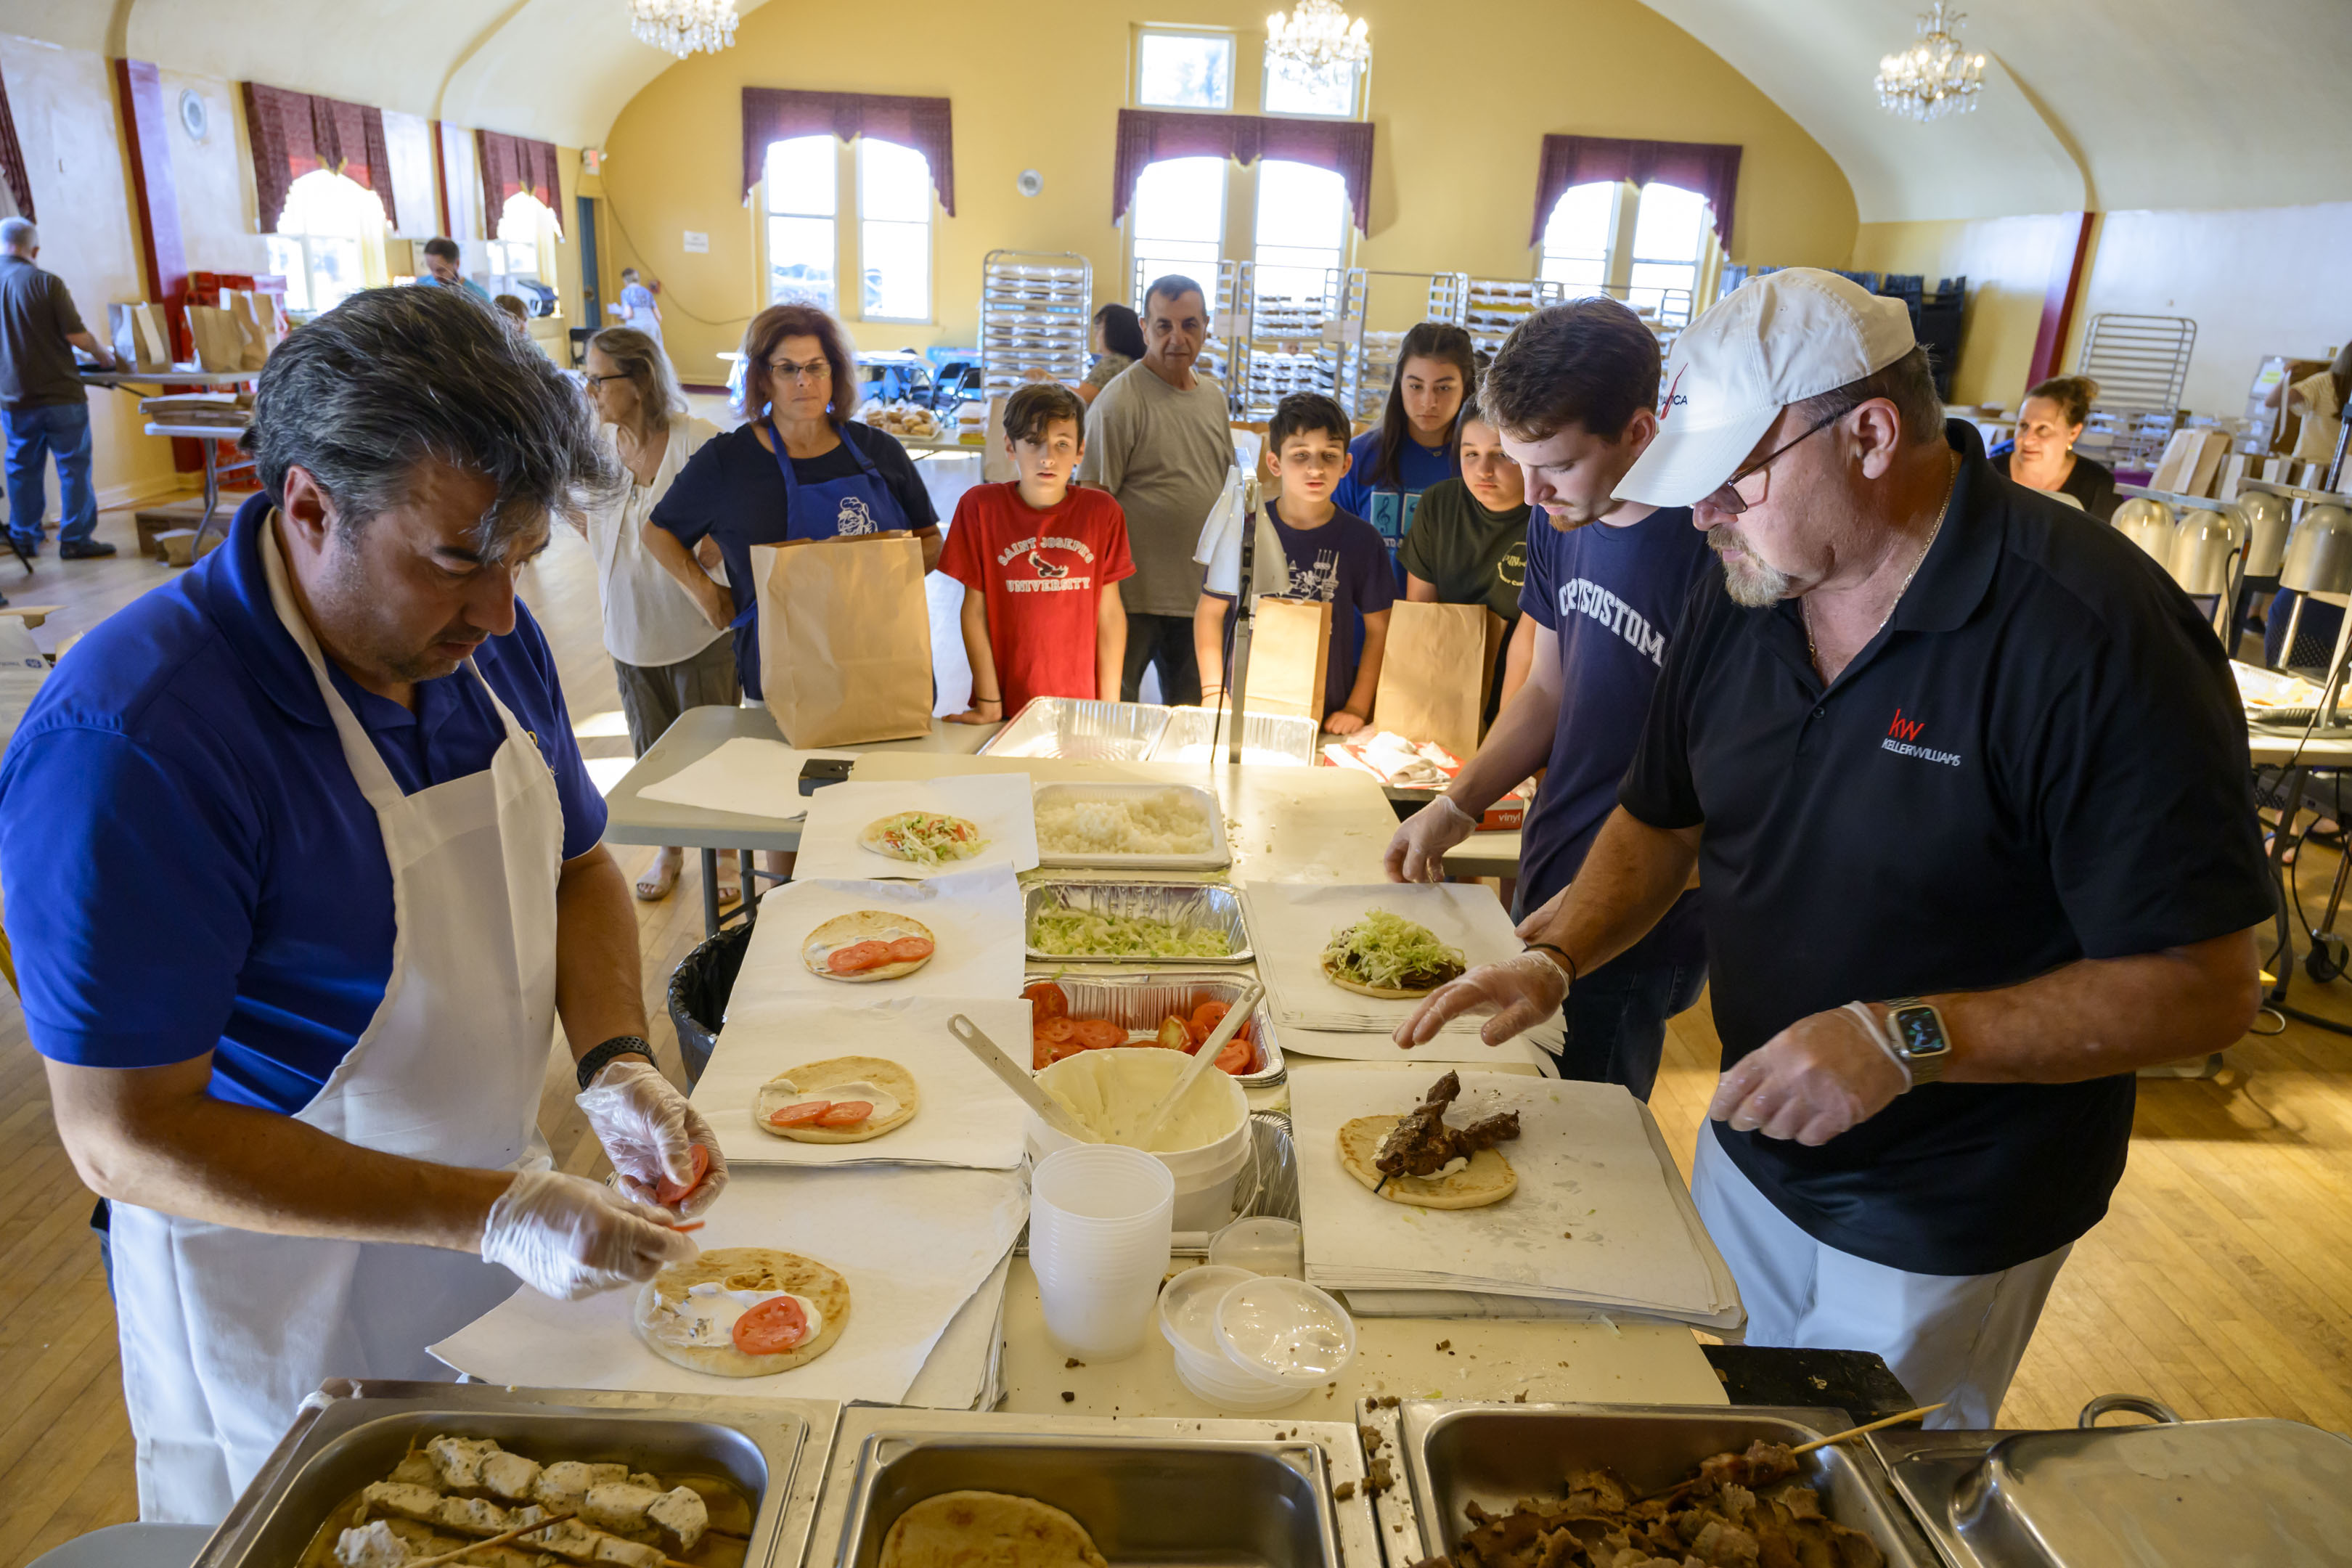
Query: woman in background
point(2047, 426)
point(667, 656)
point(1468, 545)
point(1436, 372)
point(638, 307)
point(1118, 344)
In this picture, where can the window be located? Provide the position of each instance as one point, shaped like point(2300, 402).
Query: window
point(525, 224)
point(1184, 70)
point(322, 237)
point(894, 227)
point(802, 179)
point(1178, 219)
point(1292, 88)
point(1576, 237)
point(1302, 228)
point(1666, 240)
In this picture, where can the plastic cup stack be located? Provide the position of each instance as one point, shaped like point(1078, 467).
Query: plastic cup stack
point(1249, 1343)
point(1100, 1217)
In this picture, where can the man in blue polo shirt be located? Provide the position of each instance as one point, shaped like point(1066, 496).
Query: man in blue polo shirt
point(1574, 394)
point(303, 867)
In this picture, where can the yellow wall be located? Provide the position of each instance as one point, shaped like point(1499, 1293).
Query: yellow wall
point(2009, 263)
point(1460, 100)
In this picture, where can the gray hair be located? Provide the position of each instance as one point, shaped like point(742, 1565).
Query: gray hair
point(636, 356)
point(393, 377)
point(18, 234)
point(1909, 383)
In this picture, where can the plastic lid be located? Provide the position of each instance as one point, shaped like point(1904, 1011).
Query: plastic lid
point(1262, 1247)
point(1285, 1330)
point(1189, 1302)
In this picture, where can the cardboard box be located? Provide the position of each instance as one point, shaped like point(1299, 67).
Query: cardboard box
point(2189, 462)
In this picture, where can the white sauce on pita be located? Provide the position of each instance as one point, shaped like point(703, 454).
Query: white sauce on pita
point(709, 1314)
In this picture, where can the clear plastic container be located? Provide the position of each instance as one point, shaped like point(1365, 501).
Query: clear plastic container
point(1187, 1305)
point(1284, 1330)
point(1261, 1247)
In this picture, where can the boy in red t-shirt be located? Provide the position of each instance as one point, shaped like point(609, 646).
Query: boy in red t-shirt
point(1035, 557)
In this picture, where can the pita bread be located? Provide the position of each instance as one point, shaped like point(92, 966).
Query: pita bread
point(1488, 1179)
point(744, 1269)
point(863, 925)
point(1340, 978)
point(969, 1529)
point(872, 836)
point(815, 1078)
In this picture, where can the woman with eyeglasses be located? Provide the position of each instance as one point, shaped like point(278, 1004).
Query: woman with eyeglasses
point(666, 655)
point(798, 468)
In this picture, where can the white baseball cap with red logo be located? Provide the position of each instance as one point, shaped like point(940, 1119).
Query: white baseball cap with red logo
point(1777, 339)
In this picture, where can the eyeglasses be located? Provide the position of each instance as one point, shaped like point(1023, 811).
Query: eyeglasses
point(814, 371)
point(1727, 499)
point(600, 380)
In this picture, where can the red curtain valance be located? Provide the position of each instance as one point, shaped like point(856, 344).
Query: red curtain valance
point(512, 163)
point(12, 159)
point(774, 114)
point(298, 133)
point(1710, 168)
point(1147, 135)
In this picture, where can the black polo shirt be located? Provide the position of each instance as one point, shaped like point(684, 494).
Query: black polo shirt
point(2041, 758)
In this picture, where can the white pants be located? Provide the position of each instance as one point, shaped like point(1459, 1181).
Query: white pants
point(1954, 1338)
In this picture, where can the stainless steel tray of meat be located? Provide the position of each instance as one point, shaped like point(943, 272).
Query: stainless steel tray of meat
point(1137, 1004)
point(1459, 1454)
point(349, 1433)
point(1274, 740)
point(2166, 1495)
point(1083, 730)
point(1170, 1493)
point(1206, 904)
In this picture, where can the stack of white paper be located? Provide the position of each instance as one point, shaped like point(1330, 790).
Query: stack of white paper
point(974, 918)
point(1601, 1218)
point(1001, 804)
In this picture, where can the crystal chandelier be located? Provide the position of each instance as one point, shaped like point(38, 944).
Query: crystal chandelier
point(1934, 77)
point(1315, 36)
point(682, 26)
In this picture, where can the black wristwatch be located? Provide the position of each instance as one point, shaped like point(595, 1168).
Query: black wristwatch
point(596, 1060)
point(1921, 1041)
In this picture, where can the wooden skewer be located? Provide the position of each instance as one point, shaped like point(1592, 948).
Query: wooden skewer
point(493, 1541)
point(1871, 1427)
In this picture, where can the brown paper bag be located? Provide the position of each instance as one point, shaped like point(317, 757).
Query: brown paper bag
point(1436, 673)
point(845, 638)
point(253, 344)
point(1290, 651)
point(218, 344)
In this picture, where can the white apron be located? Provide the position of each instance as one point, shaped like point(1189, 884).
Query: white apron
point(224, 1331)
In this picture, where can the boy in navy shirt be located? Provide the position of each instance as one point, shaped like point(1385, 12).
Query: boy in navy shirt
point(1573, 393)
point(1330, 556)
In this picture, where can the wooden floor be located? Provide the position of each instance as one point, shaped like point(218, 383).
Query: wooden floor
point(2220, 1282)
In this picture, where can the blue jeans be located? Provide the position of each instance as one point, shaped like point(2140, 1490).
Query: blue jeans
point(34, 434)
point(1617, 1022)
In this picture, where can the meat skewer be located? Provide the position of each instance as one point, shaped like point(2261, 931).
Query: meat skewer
point(493, 1541)
point(1801, 1449)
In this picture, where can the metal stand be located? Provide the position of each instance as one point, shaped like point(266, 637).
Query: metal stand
point(1245, 621)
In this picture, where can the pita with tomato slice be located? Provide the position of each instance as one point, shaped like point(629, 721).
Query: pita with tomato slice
point(706, 1330)
point(866, 945)
point(841, 1084)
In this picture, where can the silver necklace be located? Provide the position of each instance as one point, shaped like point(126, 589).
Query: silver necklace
point(1951, 484)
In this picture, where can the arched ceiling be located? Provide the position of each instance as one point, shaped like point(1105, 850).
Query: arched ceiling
point(2104, 104)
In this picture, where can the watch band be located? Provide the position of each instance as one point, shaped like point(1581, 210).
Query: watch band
point(1555, 950)
point(596, 1060)
point(1925, 1067)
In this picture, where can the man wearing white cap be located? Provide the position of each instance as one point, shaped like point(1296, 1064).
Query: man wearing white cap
point(1966, 783)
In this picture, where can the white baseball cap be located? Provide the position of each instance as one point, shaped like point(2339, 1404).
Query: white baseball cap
point(1777, 339)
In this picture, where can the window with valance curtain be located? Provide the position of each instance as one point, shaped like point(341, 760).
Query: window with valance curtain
point(512, 164)
point(772, 114)
point(13, 176)
point(1147, 135)
point(297, 133)
point(1709, 168)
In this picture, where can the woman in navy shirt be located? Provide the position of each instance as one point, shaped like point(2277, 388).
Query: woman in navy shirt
point(1416, 445)
point(799, 468)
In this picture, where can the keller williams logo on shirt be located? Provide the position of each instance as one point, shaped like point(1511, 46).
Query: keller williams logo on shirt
point(1902, 731)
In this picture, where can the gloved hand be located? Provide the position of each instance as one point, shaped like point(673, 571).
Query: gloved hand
point(1519, 992)
point(651, 1132)
point(1417, 853)
point(567, 1237)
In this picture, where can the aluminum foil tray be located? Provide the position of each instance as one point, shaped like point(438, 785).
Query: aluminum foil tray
point(1178, 903)
point(1457, 1453)
point(1167, 1492)
point(1138, 1003)
point(1088, 731)
point(1269, 740)
point(349, 1433)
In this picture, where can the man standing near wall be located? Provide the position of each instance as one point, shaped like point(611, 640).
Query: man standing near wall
point(43, 403)
point(1158, 439)
point(441, 268)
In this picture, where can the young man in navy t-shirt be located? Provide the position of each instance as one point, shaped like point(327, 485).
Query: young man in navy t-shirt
point(1574, 392)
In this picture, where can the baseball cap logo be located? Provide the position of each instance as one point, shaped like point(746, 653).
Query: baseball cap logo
point(1673, 397)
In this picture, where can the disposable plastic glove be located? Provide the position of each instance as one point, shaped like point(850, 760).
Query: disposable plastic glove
point(1417, 853)
point(567, 1237)
point(650, 1132)
point(1519, 992)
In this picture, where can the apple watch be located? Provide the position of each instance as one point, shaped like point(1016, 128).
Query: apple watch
point(1921, 1042)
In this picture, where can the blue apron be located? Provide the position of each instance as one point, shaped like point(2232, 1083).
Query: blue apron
point(856, 503)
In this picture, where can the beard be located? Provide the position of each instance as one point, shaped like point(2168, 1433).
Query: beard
point(1752, 584)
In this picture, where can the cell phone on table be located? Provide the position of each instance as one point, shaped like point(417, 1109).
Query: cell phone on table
point(818, 771)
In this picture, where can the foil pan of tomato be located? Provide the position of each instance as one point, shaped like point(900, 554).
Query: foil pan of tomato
point(1071, 1011)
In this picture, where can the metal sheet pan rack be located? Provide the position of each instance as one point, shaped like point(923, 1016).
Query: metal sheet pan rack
point(1036, 309)
point(1229, 312)
point(1490, 307)
point(2141, 363)
point(1294, 342)
point(1368, 362)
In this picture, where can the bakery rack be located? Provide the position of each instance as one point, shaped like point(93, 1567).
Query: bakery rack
point(1295, 342)
point(2141, 363)
point(1036, 313)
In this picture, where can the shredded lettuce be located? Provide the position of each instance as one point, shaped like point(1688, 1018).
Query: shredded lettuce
point(1387, 950)
point(1070, 932)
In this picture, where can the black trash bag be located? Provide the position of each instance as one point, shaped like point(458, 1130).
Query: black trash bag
point(699, 989)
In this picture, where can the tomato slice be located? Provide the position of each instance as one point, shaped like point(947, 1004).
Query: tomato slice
point(858, 957)
point(771, 1328)
point(666, 1192)
point(1041, 1053)
point(910, 949)
point(1046, 1000)
point(1097, 1034)
point(846, 1112)
point(1057, 1030)
point(799, 1115)
point(1237, 1056)
point(1208, 1016)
